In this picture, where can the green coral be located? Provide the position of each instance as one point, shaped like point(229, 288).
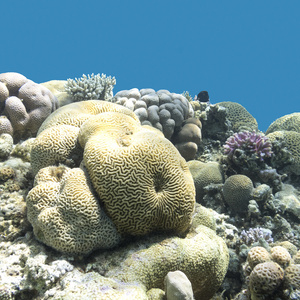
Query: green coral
point(289, 122)
point(203, 257)
point(239, 117)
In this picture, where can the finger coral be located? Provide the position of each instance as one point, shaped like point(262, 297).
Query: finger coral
point(91, 87)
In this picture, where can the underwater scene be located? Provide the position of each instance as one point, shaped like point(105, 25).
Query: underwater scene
point(144, 194)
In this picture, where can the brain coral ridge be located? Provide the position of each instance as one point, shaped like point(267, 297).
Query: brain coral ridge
point(24, 105)
point(66, 215)
point(289, 122)
point(138, 175)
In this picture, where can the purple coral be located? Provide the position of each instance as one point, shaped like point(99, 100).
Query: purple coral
point(253, 142)
point(255, 234)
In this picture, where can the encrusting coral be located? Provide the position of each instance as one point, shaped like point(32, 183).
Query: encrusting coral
point(202, 257)
point(139, 176)
point(24, 105)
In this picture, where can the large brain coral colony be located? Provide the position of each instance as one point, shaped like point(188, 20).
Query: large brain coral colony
point(24, 105)
point(139, 176)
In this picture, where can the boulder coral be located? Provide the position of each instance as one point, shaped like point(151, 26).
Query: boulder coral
point(170, 113)
point(290, 140)
point(237, 191)
point(24, 105)
point(203, 258)
point(139, 177)
point(205, 174)
point(289, 122)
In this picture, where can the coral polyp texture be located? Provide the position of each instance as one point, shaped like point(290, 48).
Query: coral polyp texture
point(254, 144)
point(24, 105)
point(91, 87)
point(139, 176)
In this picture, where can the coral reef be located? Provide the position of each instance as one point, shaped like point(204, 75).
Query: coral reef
point(93, 148)
point(24, 105)
point(91, 87)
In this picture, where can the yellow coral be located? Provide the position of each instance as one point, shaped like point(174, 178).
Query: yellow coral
point(139, 175)
point(257, 255)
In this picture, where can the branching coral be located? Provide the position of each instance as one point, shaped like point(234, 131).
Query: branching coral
point(254, 234)
point(91, 87)
point(252, 143)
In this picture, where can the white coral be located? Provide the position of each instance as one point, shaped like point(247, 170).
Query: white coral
point(91, 87)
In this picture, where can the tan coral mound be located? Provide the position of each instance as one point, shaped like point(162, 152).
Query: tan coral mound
point(203, 258)
point(139, 176)
point(66, 215)
point(290, 122)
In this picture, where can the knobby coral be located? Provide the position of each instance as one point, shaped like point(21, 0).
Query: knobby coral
point(253, 143)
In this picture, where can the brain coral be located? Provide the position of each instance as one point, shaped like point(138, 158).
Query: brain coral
point(289, 122)
point(139, 176)
point(203, 258)
point(147, 174)
point(66, 215)
point(257, 255)
point(291, 140)
point(24, 105)
point(239, 117)
point(265, 278)
point(204, 174)
point(237, 191)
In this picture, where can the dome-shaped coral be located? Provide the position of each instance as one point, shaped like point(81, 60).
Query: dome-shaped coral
point(24, 105)
point(289, 122)
point(265, 278)
point(257, 255)
point(237, 191)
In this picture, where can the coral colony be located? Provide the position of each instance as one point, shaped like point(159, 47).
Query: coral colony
point(255, 143)
point(255, 234)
